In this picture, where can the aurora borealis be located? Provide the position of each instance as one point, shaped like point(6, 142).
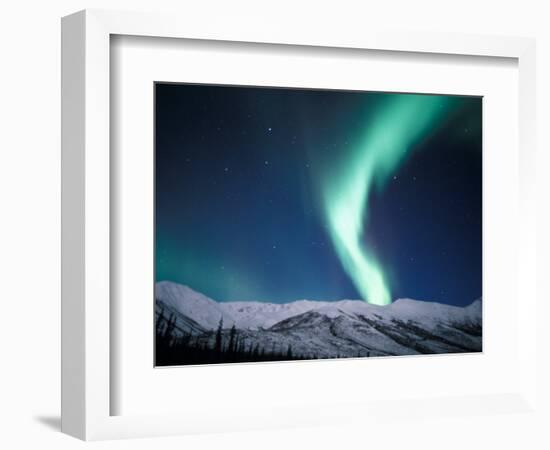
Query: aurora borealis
point(282, 194)
point(401, 121)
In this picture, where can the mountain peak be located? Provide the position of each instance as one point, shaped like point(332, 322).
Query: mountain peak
point(261, 315)
point(328, 329)
point(199, 307)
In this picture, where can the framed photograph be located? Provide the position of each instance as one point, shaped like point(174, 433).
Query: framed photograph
point(282, 204)
point(292, 214)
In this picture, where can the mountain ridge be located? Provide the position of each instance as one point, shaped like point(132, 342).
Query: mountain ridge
point(239, 312)
point(327, 329)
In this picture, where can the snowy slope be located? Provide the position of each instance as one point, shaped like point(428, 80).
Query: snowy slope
point(330, 329)
point(203, 310)
point(256, 315)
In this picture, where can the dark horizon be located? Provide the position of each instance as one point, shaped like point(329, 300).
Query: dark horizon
point(241, 199)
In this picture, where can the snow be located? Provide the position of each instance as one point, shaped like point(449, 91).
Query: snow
point(259, 315)
point(336, 328)
point(256, 315)
point(203, 310)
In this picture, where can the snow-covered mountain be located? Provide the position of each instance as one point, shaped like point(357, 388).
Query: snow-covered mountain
point(329, 329)
point(203, 310)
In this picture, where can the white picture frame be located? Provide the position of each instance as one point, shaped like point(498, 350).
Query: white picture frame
point(86, 221)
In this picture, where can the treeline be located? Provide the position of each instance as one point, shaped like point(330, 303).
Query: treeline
point(215, 347)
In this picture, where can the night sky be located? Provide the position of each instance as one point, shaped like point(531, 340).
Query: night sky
point(277, 195)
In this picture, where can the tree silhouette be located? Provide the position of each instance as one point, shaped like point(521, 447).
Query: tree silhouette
point(219, 338)
point(232, 340)
point(177, 346)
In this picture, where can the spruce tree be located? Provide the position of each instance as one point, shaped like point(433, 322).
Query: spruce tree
point(232, 334)
point(218, 344)
point(289, 352)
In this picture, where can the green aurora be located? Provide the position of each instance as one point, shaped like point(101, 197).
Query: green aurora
point(389, 138)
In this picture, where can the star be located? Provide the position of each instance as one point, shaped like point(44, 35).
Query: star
point(266, 163)
point(226, 169)
point(269, 129)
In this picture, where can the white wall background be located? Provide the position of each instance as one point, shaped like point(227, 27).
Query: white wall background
point(30, 198)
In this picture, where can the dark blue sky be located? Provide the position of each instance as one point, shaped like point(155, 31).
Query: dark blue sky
point(238, 213)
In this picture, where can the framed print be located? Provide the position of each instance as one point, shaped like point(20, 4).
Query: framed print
point(289, 179)
point(288, 214)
